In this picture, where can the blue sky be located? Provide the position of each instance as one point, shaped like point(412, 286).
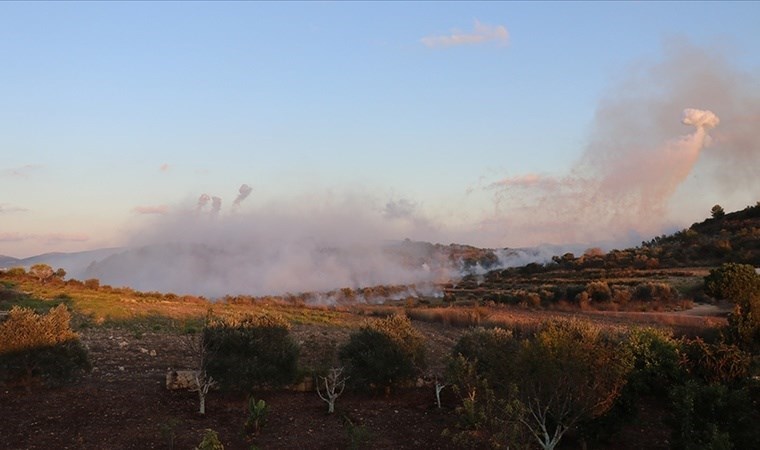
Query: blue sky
point(113, 110)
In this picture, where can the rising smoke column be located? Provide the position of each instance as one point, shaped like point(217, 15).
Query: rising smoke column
point(606, 195)
point(243, 193)
point(216, 205)
point(202, 201)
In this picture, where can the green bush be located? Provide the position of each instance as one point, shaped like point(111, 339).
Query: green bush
point(714, 416)
point(731, 281)
point(484, 419)
point(210, 441)
point(250, 351)
point(656, 362)
point(655, 292)
point(491, 351)
point(383, 353)
point(40, 346)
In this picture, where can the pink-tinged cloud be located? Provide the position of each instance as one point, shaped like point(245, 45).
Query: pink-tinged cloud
point(481, 33)
point(53, 238)
point(157, 209)
point(164, 167)
point(49, 238)
point(22, 171)
point(11, 237)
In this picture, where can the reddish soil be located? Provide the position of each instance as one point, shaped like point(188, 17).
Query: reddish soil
point(124, 404)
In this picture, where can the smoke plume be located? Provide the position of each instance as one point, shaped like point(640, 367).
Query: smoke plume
point(638, 161)
point(243, 193)
point(202, 201)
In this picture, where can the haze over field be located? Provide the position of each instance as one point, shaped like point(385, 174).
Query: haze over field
point(285, 147)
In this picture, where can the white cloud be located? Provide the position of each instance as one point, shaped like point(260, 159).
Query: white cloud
point(481, 33)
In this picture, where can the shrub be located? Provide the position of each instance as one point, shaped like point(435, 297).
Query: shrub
point(599, 291)
point(383, 352)
point(210, 441)
point(731, 281)
point(44, 346)
point(257, 415)
point(484, 419)
point(250, 351)
point(491, 351)
point(715, 363)
point(656, 362)
point(714, 417)
point(657, 292)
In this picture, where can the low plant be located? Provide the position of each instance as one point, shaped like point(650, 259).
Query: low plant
point(257, 414)
point(358, 436)
point(210, 441)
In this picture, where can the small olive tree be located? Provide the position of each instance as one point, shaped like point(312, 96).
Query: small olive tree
point(250, 350)
point(45, 346)
point(568, 372)
point(731, 281)
point(383, 353)
point(335, 383)
point(740, 284)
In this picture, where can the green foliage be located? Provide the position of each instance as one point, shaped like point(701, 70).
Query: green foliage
point(599, 291)
point(718, 363)
point(740, 284)
point(42, 272)
point(491, 351)
point(484, 418)
point(358, 436)
point(383, 353)
point(744, 325)
point(567, 372)
point(33, 345)
point(257, 414)
point(731, 281)
point(249, 351)
point(655, 292)
point(656, 362)
point(714, 416)
point(210, 441)
point(15, 272)
point(717, 212)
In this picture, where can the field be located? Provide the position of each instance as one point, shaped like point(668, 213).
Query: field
point(134, 338)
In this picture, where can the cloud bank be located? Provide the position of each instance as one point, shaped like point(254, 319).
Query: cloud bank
point(481, 33)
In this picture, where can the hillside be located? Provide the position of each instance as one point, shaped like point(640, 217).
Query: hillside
point(664, 273)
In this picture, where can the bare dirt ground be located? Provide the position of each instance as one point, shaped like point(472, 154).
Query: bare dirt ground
point(124, 404)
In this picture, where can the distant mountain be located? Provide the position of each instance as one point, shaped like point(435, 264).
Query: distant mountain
point(75, 264)
point(8, 261)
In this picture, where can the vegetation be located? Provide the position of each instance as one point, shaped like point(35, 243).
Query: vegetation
point(250, 350)
point(519, 377)
point(257, 415)
point(383, 353)
point(210, 441)
point(40, 346)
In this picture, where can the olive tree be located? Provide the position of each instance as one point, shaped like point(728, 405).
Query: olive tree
point(569, 371)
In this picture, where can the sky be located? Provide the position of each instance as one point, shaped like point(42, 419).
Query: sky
point(492, 124)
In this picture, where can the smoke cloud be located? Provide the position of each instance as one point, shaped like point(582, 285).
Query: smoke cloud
point(637, 159)
point(216, 205)
point(202, 201)
point(243, 193)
